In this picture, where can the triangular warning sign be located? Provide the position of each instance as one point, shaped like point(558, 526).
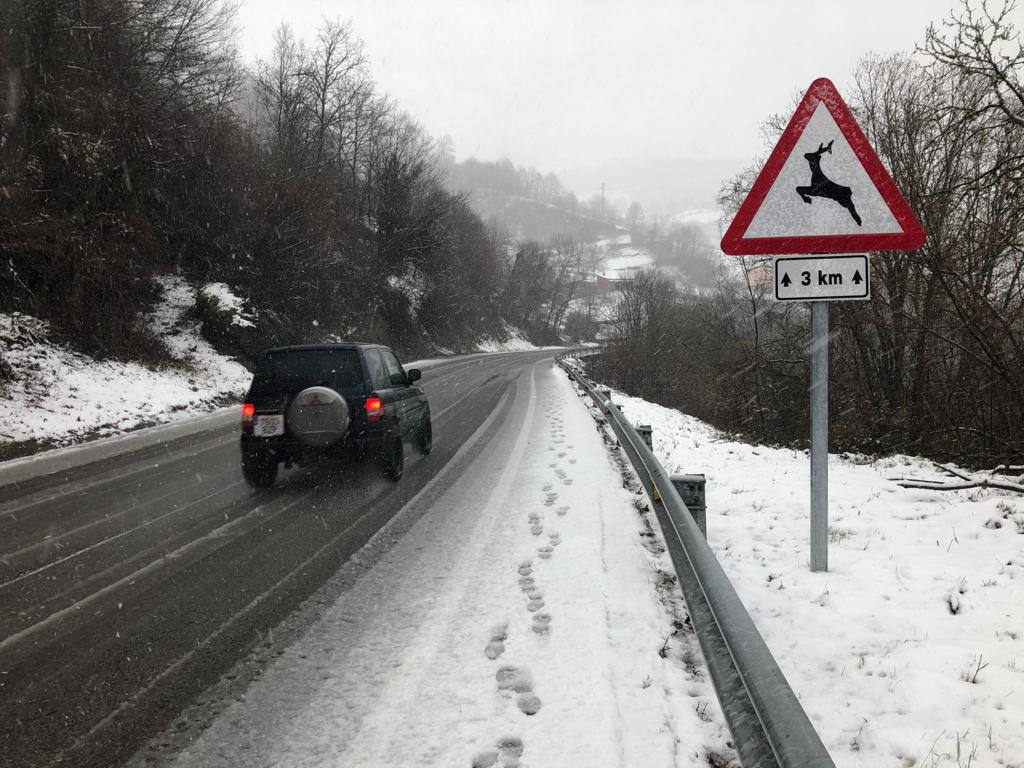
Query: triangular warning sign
point(823, 190)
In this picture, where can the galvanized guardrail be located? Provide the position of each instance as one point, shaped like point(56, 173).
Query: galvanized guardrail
point(768, 725)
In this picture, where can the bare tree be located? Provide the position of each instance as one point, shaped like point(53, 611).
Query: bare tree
point(984, 45)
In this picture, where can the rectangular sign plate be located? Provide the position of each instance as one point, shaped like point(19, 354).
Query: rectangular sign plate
point(822, 278)
point(268, 425)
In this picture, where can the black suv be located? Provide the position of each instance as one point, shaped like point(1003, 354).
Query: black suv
point(331, 399)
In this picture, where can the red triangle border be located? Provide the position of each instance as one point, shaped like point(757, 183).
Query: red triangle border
point(734, 241)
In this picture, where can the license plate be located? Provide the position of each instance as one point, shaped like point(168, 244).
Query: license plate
point(268, 425)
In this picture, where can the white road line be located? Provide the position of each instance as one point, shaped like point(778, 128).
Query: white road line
point(100, 543)
point(145, 570)
point(62, 491)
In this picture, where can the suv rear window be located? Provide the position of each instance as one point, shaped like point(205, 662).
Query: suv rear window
point(290, 371)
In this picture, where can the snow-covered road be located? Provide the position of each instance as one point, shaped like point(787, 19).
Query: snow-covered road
point(524, 618)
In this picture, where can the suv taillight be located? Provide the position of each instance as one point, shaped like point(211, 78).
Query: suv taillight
point(248, 411)
point(374, 409)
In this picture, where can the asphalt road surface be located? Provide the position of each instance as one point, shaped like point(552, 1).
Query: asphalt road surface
point(131, 584)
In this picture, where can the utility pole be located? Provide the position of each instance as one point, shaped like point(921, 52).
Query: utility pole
point(603, 209)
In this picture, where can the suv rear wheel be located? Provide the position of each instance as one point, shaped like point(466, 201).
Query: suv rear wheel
point(259, 469)
point(394, 459)
point(425, 438)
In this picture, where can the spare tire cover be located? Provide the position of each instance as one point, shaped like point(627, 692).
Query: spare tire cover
point(318, 416)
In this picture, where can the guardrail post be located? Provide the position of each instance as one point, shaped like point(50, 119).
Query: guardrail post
point(646, 434)
point(691, 489)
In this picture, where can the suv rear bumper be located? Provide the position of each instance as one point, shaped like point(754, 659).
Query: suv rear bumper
point(285, 447)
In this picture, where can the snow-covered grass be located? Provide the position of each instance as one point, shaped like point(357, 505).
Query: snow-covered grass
point(910, 650)
point(226, 301)
point(59, 396)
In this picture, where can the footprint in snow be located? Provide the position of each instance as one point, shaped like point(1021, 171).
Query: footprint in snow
point(572, 461)
point(545, 553)
point(542, 623)
point(510, 749)
point(555, 539)
point(562, 510)
point(547, 487)
point(567, 481)
point(525, 568)
point(496, 646)
point(537, 530)
point(526, 583)
point(519, 682)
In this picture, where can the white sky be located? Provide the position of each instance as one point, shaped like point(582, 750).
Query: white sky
point(568, 83)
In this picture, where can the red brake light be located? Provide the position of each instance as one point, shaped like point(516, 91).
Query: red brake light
point(248, 411)
point(374, 409)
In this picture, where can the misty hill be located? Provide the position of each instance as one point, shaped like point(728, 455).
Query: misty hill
point(530, 219)
point(529, 204)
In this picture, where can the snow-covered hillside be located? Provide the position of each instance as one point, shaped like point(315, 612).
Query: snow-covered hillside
point(60, 396)
point(910, 650)
point(515, 341)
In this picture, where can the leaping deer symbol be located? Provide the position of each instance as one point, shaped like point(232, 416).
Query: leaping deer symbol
point(823, 186)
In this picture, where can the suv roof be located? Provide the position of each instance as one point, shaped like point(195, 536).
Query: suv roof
point(325, 345)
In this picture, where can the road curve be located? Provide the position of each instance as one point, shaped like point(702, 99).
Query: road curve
point(129, 585)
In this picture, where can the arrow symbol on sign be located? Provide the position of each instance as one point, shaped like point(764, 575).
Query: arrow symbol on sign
point(785, 280)
point(857, 278)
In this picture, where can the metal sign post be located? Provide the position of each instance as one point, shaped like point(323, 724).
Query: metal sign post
point(818, 280)
point(822, 191)
point(819, 436)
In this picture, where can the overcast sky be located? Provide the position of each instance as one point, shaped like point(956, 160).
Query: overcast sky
point(567, 83)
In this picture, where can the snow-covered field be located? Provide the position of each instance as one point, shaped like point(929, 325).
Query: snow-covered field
point(910, 650)
point(698, 216)
point(619, 259)
point(523, 616)
point(61, 396)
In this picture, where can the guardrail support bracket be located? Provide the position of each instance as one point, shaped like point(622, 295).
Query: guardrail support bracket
point(691, 489)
